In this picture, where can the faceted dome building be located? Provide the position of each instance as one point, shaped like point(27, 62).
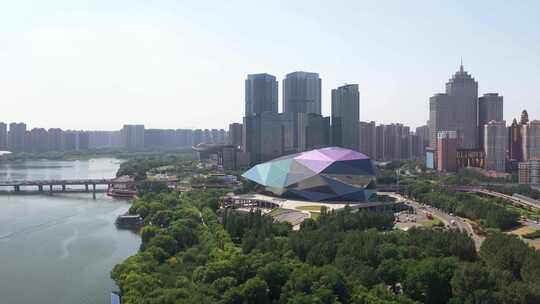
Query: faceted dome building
point(328, 174)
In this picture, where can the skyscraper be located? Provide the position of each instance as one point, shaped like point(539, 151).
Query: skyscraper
point(464, 91)
point(263, 136)
point(440, 116)
point(490, 107)
point(524, 117)
point(495, 145)
point(456, 110)
point(515, 142)
point(302, 93)
point(261, 92)
point(345, 116)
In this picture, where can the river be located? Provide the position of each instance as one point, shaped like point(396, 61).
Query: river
point(60, 249)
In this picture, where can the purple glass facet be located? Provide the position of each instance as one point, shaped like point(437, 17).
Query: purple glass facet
point(314, 164)
point(314, 155)
point(353, 155)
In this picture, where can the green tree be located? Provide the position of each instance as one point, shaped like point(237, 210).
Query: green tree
point(255, 291)
point(428, 280)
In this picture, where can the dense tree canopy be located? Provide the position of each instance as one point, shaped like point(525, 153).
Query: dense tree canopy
point(192, 254)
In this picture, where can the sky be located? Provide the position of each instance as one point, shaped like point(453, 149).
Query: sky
point(99, 64)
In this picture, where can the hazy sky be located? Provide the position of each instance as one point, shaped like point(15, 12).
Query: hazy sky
point(97, 64)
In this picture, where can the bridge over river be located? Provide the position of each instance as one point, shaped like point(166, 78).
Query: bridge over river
point(61, 185)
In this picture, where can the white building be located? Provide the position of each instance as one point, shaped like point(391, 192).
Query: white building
point(531, 140)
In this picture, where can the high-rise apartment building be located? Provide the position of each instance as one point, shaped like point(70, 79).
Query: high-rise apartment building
point(368, 138)
point(392, 142)
point(311, 131)
point(302, 93)
point(39, 140)
point(495, 145)
point(3, 137)
point(345, 116)
point(69, 140)
point(160, 138)
point(55, 139)
point(529, 172)
point(379, 142)
point(17, 137)
point(531, 140)
point(447, 151)
point(490, 107)
point(197, 136)
point(423, 136)
point(235, 134)
point(317, 132)
point(184, 138)
point(440, 116)
point(132, 136)
point(261, 93)
point(83, 140)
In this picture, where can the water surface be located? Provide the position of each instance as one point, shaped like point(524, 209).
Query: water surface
point(60, 249)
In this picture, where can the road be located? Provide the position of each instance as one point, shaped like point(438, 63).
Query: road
point(460, 223)
point(523, 200)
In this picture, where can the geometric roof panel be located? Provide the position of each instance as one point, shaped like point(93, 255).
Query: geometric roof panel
point(323, 174)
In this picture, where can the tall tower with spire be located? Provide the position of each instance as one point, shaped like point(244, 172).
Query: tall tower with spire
point(456, 110)
point(462, 89)
point(524, 118)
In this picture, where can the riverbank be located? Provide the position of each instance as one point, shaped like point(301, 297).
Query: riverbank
point(89, 154)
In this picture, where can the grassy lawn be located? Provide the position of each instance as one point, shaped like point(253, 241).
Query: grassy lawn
point(310, 208)
point(431, 223)
point(530, 213)
point(520, 231)
point(277, 211)
point(315, 215)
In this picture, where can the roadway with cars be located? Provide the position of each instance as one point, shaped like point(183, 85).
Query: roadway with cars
point(448, 219)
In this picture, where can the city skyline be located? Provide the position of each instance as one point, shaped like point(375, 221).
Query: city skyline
point(70, 56)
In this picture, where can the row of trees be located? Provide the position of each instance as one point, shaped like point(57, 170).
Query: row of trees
point(519, 189)
point(189, 254)
point(138, 163)
point(487, 211)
